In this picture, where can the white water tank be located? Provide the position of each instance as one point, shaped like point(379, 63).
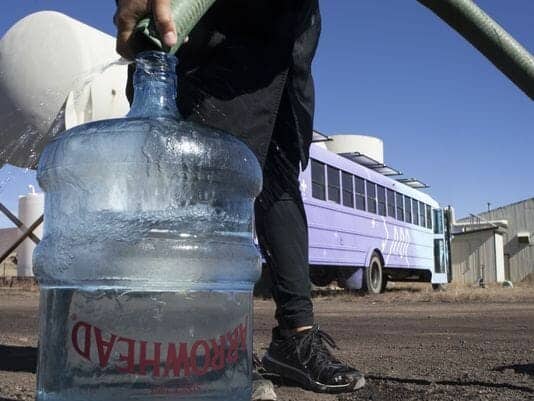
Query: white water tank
point(31, 207)
point(52, 77)
point(348, 143)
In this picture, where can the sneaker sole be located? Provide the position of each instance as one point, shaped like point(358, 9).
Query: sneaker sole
point(292, 373)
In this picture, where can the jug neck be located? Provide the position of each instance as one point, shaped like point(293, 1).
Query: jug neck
point(154, 86)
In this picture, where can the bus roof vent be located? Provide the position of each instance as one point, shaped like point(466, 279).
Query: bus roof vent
point(413, 182)
point(371, 163)
point(320, 137)
point(343, 145)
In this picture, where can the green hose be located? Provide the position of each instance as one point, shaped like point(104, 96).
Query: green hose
point(489, 38)
point(185, 13)
point(463, 15)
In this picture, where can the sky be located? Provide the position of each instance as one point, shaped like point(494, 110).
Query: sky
point(392, 69)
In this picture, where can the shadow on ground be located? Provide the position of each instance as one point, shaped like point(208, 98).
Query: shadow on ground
point(17, 359)
point(527, 369)
point(461, 383)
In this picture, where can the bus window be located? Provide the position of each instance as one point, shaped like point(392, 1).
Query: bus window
point(428, 217)
point(422, 214)
point(391, 203)
point(371, 197)
point(407, 209)
point(318, 181)
point(400, 206)
point(360, 193)
point(333, 184)
point(381, 195)
point(348, 189)
point(415, 212)
point(438, 221)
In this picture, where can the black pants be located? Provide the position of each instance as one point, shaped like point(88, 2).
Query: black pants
point(247, 70)
point(282, 229)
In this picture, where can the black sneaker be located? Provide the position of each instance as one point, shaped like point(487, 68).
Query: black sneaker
point(305, 359)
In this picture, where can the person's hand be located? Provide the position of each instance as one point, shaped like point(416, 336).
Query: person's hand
point(129, 12)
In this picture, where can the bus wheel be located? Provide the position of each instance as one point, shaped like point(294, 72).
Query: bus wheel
point(374, 280)
point(384, 282)
point(321, 277)
point(439, 287)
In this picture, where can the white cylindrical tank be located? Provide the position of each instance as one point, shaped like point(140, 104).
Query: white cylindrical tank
point(367, 145)
point(53, 76)
point(31, 207)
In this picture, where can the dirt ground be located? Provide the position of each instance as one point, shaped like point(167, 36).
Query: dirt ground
point(413, 344)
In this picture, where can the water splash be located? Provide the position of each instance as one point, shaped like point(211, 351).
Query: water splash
point(85, 78)
point(30, 141)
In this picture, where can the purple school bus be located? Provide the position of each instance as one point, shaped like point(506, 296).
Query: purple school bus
point(366, 228)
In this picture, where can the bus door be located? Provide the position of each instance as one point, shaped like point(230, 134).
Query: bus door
point(448, 220)
point(441, 245)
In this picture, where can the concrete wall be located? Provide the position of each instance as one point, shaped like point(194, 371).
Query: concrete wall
point(518, 258)
point(473, 257)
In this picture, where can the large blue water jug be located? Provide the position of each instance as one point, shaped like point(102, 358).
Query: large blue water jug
point(147, 262)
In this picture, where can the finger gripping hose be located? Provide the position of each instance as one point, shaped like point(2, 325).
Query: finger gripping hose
point(185, 13)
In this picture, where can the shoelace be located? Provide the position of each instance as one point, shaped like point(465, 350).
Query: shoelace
point(313, 353)
point(256, 361)
point(257, 364)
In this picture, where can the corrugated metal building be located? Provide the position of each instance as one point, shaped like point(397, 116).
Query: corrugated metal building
point(7, 238)
point(498, 245)
point(477, 253)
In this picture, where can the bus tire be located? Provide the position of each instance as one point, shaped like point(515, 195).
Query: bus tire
point(374, 281)
point(321, 277)
point(439, 287)
point(384, 282)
